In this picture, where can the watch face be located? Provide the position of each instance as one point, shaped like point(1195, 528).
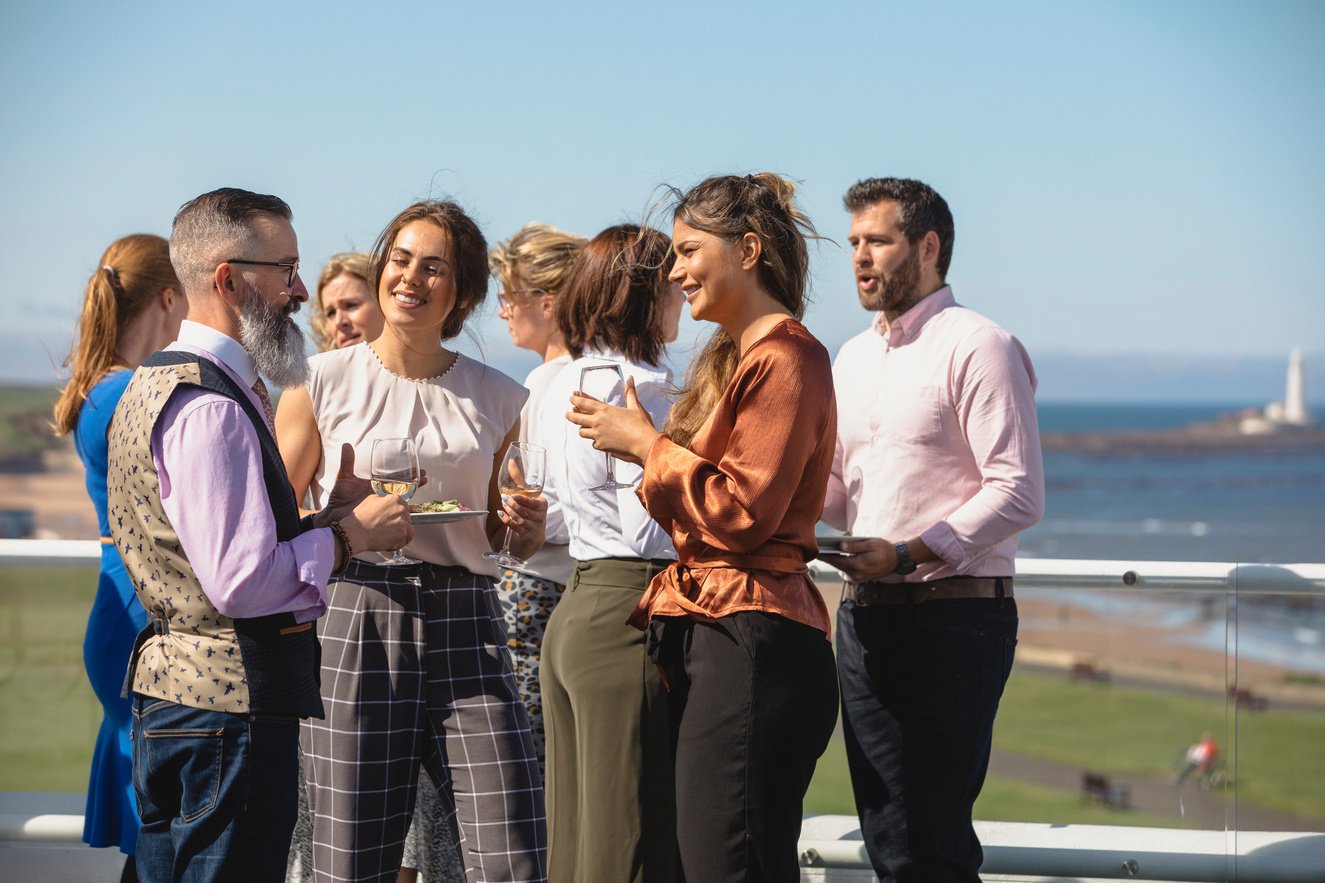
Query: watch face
point(904, 563)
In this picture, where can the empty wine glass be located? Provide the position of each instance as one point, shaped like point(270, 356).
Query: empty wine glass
point(523, 471)
point(395, 471)
point(604, 382)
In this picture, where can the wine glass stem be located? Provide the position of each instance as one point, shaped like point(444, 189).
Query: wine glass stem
point(611, 468)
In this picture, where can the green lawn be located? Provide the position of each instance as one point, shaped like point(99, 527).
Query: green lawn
point(50, 714)
point(1122, 731)
point(26, 399)
point(1002, 799)
point(1138, 732)
point(25, 418)
point(51, 717)
point(1011, 800)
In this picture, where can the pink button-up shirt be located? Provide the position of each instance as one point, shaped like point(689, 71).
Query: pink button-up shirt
point(937, 438)
point(210, 465)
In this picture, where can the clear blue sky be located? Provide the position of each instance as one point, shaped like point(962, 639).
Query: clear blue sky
point(1129, 177)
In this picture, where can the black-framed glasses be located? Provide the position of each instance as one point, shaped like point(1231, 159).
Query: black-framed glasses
point(509, 299)
point(292, 266)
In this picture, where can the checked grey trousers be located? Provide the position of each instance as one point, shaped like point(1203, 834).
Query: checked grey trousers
point(415, 671)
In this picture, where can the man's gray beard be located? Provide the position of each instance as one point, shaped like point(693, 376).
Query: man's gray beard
point(273, 341)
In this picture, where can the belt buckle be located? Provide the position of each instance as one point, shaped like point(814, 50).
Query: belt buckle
point(871, 594)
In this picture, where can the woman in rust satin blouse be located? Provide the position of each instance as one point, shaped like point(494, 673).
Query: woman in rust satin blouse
point(737, 626)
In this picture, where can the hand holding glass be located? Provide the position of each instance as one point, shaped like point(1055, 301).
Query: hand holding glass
point(395, 471)
point(604, 382)
point(522, 472)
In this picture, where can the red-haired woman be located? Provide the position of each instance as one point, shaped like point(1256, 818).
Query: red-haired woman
point(132, 308)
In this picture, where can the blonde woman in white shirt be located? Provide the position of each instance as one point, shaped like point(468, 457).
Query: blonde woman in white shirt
point(610, 787)
point(531, 268)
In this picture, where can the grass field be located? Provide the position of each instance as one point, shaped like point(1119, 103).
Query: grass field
point(1137, 732)
point(50, 714)
point(26, 400)
point(1122, 732)
point(51, 718)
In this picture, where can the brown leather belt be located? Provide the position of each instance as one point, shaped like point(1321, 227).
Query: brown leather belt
point(946, 589)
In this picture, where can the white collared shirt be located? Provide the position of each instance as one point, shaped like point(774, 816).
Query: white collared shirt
point(602, 523)
point(224, 348)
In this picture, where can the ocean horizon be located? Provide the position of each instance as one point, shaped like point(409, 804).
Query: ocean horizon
point(1236, 506)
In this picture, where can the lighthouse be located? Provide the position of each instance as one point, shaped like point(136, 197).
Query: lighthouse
point(1292, 411)
point(1295, 396)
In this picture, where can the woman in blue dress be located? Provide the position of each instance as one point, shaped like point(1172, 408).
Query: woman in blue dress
point(133, 307)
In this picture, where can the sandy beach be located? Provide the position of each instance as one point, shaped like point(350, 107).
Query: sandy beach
point(56, 497)
point(1055, 634)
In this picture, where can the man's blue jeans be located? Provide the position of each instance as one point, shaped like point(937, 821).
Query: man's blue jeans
point(920, 687)
point(217, 793)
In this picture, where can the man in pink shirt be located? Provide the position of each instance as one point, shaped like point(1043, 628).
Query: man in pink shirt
point(938, 467)
point(232, 578)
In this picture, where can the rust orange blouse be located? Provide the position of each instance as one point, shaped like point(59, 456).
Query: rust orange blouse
point(742, 501)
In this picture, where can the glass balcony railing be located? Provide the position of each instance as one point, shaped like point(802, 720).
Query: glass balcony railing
point(1121, 668)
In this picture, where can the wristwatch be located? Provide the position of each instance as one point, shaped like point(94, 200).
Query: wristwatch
point(904, 563)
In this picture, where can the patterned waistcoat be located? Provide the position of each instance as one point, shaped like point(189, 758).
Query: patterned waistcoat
point(191, 653)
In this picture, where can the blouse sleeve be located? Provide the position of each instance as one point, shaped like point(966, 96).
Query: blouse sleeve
point(780, 402)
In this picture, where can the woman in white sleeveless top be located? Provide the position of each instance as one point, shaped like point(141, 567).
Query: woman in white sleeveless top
point(344, 312)
point(414, 664)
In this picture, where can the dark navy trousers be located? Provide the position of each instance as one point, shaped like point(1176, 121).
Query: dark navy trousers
point(920, 687)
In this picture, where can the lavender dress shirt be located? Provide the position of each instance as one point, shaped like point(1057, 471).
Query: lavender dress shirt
point(210, 465)
point(937, 438)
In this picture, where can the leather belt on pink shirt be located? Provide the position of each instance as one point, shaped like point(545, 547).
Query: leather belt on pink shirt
point(946, 589)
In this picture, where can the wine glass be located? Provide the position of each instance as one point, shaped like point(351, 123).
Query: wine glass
point(523, 470)
point(395, 471)
point(603, 381)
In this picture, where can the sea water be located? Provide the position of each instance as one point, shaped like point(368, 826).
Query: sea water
point(1223, 506)
point(1235, 506)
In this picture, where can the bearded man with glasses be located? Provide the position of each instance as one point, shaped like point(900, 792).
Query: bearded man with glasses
point(232, 578)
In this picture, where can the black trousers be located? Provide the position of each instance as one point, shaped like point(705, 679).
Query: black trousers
point(753, 699)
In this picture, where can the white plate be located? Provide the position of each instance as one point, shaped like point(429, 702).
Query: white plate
point(833, 545)
point(445, 517)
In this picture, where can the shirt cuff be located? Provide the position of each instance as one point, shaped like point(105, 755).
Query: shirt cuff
point(942, 541)
point(315, 550)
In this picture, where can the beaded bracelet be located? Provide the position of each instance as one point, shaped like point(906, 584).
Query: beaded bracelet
point(347, 551)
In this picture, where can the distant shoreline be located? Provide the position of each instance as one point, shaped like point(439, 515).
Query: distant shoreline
point(1202, 438)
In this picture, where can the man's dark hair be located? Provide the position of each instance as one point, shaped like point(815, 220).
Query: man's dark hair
point(920, 209)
